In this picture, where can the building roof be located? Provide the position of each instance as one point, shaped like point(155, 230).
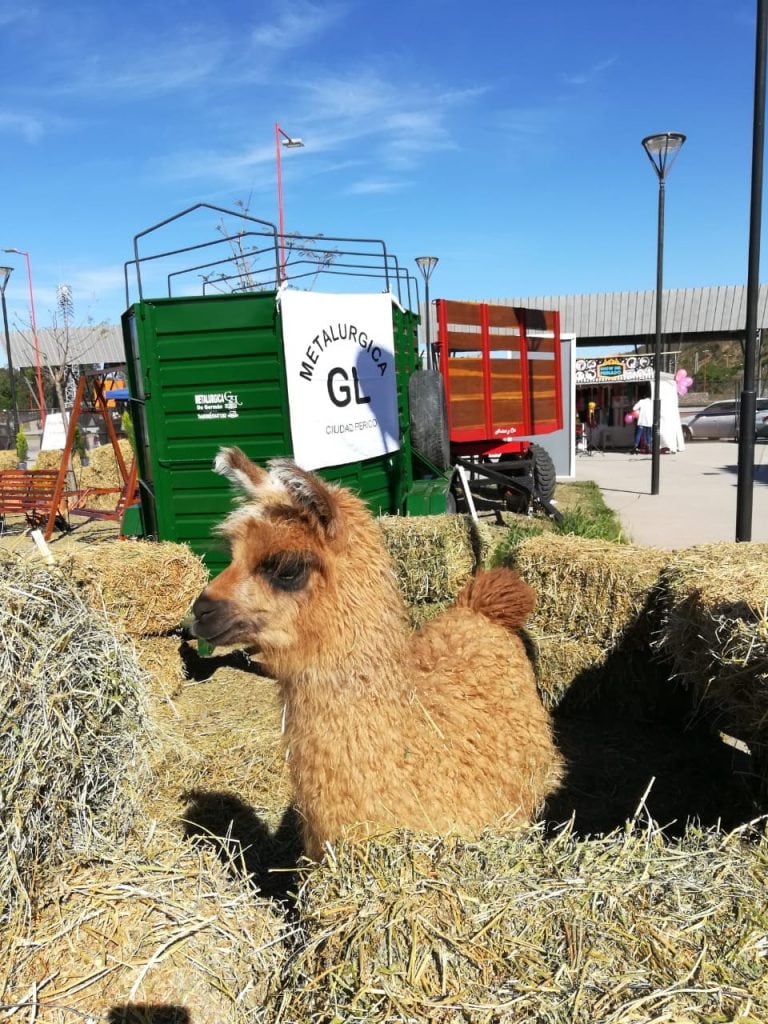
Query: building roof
point(718, 311)
point(96, 343)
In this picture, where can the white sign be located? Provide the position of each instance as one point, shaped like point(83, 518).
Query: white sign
point(54, 434)
point(340, 364)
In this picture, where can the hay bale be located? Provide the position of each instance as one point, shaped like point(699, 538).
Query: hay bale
point(161, 924)
point(147, 588)
point(102, 470)
point(159, 657)
point(559, 661)
point(221, 736)
point(8, 459)
point(521, 928)
point(715, 631)
point(50, 458)
point(433, 555)
point(594, 599)
point(587, 589)
point(72, 724)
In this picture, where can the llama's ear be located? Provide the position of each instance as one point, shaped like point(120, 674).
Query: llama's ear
point(309, 492)
point(239, 470)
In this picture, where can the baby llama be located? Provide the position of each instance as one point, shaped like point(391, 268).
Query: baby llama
point(441, 730)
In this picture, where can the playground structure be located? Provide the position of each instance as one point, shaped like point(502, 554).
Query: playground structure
point(47, 498)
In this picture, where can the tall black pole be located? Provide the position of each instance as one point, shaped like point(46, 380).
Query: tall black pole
point(11, 379)
point(656, 443)
point(747, 405)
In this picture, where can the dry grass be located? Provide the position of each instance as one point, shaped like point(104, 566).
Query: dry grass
point(51, 459)
point(632, 927)
point(8, 459)
point(101, 470)
point(155, 923)
point(433, 555)
point(715, 631)
point(72, 721)
point(628, 928)
point(559, 660)
point(147, 588)
point(593, 598)
point(587, 588)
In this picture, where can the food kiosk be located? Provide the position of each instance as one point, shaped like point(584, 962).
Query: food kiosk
point(607, 389)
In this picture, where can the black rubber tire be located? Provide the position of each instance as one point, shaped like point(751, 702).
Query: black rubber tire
point(687, 435)
point(429, 418)
point(544, 473)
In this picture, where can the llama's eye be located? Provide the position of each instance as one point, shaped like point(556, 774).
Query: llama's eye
point(288, 573)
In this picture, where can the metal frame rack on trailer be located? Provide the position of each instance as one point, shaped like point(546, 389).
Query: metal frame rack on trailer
point(184, 347)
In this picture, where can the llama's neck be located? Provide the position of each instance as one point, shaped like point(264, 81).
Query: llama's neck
point(362, 652)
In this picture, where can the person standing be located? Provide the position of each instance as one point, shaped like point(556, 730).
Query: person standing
point(644, 429)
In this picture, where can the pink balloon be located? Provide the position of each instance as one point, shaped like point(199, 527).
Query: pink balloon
point(629, 418)
point(682, 381)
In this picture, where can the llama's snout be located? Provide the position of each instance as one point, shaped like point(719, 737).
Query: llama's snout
point(215, 620)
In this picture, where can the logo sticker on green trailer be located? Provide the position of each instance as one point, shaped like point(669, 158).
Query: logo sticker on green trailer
point(217, 405)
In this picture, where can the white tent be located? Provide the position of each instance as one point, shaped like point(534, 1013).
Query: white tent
point(670, 428)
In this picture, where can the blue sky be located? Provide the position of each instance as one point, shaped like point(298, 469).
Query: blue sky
point(502, 137)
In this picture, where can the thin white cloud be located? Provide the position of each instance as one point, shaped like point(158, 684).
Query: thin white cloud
point(93, 281)
point(580, 78)
point(233, 168)
point(29, 126)
point(187, 64)
point(375, 187)
point(297, 26)
point(357, 119)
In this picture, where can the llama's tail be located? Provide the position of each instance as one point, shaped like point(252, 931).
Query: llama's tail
point(501, 595)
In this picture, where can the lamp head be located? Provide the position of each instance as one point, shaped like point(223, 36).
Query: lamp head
point(426, 265)
point(662, 150)
point(291, 143)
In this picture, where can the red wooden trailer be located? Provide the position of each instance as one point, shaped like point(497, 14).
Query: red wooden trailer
point(503, 386)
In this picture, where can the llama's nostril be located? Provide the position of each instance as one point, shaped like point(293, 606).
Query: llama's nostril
point(212, 618)
point(203, 611)
point(203, 606)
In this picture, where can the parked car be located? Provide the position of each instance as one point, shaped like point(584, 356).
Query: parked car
point(720, 419)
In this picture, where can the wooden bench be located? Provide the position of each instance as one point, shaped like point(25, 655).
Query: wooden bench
point(27, 492)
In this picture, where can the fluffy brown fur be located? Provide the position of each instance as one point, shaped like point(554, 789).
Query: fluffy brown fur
point(441, 730)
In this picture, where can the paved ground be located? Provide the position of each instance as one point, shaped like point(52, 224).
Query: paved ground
point(696, 502)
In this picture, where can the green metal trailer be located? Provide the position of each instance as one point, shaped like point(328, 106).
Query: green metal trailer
point(207, 371)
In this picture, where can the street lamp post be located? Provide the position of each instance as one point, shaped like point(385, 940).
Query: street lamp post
point(282, 139)
point(5, 273)
point(426, 265)
point(748, 400)
point(662, 149)
point(38, 369)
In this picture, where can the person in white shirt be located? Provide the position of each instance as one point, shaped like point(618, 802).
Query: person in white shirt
point(644, 429)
